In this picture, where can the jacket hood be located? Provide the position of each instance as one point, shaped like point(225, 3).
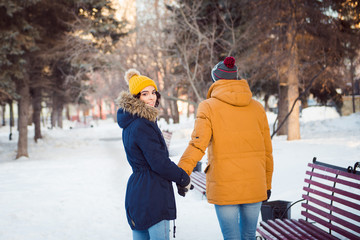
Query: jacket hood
point(132, 108)
point(234, 92)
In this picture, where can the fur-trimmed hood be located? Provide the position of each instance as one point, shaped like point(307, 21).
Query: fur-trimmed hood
point(135, 107)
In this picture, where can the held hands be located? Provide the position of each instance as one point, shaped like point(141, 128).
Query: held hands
point(183, 190)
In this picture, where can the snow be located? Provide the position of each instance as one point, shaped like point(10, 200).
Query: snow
point(73, 184)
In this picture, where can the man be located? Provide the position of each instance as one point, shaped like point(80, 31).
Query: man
point(234, 128)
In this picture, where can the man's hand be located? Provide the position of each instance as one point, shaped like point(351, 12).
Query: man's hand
point(268, 192)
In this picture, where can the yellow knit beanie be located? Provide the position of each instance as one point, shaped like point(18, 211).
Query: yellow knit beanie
point(138, 82)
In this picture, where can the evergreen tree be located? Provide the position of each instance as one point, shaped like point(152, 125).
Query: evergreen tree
point(282, 47)
point(37, 36)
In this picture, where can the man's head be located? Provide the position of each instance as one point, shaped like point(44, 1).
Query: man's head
point(224, 70)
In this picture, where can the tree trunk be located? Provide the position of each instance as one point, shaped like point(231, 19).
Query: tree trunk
point(11, 110)
point(282, 109)
point(3, 115)
point(84, 115)
point(266, 100)
point(30, 113)
point(59, 118)
point(174, 109)
point(166, 106)
point(293, 93)
point(174, 112)
point(56, 114)
point(100, 109)
point(36, 103)
point(53, 117)
point(293, 81)
point(24, 91)
point(54, 111)
point(67, 112)
point(352, 74)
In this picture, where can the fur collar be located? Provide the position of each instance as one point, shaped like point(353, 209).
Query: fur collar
point(135, 106)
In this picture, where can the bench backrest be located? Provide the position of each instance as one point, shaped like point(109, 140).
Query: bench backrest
point(333, 199)
point(167, 137)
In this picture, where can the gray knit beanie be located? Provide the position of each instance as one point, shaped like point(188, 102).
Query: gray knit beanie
point(224, 70)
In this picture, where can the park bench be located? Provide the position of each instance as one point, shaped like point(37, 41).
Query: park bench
point(198, 180)
point(331, 207)
point(167, 137)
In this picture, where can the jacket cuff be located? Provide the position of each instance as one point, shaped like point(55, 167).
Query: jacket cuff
point(184, 180)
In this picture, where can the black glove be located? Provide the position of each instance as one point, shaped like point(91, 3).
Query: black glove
point(268, 192)
point(183, 190)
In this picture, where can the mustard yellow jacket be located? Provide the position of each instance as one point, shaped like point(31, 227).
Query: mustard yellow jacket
point(235, 129)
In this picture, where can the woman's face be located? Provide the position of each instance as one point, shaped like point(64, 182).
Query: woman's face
point(148, 95)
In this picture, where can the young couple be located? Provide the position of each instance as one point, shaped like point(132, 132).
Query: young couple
point(229, 123)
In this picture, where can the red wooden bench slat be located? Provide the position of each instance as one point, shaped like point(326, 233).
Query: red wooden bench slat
point(167, 137)
point(316, 232)
point(333, 179)
point(305, 235)
point(199, 176)
point(335, 171)
point(334, 228)
point(332, 218)
point(272, 231)
point(286, 226)
point(332, 208)
point(199, 181)
point(266, 234)
point(282, 230)
point(321, 232)
point(332, 189)
point(333, 198)
point(198, 184)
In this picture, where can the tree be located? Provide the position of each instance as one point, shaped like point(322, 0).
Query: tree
point(204, 33)
point(302, 40)
point(294, 45)
point(93, 31)
point(146, 49)
point(30, 29)
point(349, 27)
point(18, 38)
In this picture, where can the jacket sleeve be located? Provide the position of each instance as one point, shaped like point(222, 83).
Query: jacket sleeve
point(200, 139)
point(156, 154)
point(268, 151)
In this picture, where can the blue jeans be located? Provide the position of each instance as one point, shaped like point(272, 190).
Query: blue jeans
point(238, 222)
point(159, 231)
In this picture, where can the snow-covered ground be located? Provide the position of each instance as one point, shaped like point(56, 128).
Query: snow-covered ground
point(72, 187)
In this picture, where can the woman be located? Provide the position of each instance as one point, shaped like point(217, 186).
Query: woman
point(149, 201)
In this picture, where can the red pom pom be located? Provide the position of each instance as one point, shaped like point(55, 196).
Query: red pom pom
point(229, 62)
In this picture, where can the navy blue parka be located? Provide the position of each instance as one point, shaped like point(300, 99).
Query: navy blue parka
point(149, 194)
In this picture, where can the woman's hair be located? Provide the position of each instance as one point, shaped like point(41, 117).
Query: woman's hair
point(158, 96)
